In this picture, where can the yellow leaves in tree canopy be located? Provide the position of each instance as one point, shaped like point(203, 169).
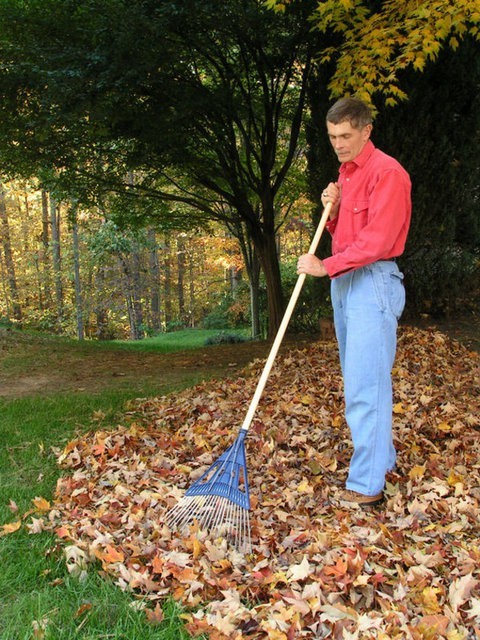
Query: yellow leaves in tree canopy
point(376, 46)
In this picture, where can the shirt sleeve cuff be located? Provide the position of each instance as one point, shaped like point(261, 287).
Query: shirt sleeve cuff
point(334, 267)
point(331, 224)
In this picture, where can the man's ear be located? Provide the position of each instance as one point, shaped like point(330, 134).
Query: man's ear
point(367, 131)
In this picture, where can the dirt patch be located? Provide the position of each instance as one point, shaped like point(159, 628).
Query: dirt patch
point(33, 365)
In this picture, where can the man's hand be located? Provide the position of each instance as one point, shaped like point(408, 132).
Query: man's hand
point(311, 265)
point(332, 193)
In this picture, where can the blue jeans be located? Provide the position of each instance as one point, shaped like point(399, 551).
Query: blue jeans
point(367, 304)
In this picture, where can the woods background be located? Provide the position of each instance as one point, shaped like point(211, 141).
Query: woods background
point(162, 163)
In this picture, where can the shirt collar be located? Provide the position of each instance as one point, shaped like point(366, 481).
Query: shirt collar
point(362, 157)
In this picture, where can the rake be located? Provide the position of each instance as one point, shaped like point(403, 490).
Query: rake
point(219, 501)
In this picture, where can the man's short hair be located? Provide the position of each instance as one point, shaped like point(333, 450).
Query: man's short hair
point(352, 110)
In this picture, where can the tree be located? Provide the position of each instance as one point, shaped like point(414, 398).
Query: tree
point(204, 99)
point(418, 64)
point(376, 41)
point(56, 253)
point(436, 134)
point(76, 272)
point(8, 257)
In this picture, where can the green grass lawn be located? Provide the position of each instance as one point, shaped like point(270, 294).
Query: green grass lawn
point(178, 340)
point(38, 597)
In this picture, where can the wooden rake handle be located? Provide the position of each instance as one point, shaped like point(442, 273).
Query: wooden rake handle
point(283, 325)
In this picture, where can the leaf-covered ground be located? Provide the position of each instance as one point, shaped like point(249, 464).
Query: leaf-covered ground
point(408, 570)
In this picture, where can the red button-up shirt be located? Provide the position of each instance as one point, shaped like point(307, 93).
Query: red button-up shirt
point(374, 214)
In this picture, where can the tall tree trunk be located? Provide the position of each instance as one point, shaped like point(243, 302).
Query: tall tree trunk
point(254, 285)
point(8, 255)
point(181, 276)
point(44, 254)
point(99, 309)
point(76, 269)
point(252, 265)
point(137, 288)
point(191, 290)
point(56, 259)
point(131, 271)
point(266, 248)
point(168, 282)
point(155, 319)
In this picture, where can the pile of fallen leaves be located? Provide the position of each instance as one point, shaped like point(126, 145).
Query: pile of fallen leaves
point(408, 570)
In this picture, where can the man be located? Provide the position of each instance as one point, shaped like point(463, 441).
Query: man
point(369, 221)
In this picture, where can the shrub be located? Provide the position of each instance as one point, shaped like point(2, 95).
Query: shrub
point(225, 338)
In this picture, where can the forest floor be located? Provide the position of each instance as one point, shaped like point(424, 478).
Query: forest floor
point(43, 365)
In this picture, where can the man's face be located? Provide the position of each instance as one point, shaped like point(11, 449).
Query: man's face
point(347, 142)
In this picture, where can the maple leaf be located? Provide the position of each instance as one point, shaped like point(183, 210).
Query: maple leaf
point(40, 627)
point(339, 612)
point(155, 616)
point(460, 589)
point(37, 525)
point(433, 626)
point(82, 609)
point(76, 561)
point(10, 527)
point(110, 554)
point(430, 599)
point(300, 571)
point(474, 611)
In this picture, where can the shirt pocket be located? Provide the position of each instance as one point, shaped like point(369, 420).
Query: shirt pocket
point(359, 207)
point(356, 210)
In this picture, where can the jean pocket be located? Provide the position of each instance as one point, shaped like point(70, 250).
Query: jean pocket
point(396, 294)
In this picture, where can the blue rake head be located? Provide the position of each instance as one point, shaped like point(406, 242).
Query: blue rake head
point(227, 476)
point(219, 501)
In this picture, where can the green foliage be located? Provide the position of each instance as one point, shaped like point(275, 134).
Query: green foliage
point(216, 319)
point(6, 323)
point(231, 311)
point(378, 41)
point(435, 135)
point(313, 302)
point(225, 338)
point(197, 103)
point(110, 240)
point(443, 279)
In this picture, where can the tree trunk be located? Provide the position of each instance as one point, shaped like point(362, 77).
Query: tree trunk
point(56, 258)
point(191, 290)
point(131, 276)
point(266, 248)
point(76, 269)
point(181, 277)
point(100, 310)
point(168, 282)
point(8, 255)
point(155, 319)
point(254, 284)
point(137, 295)
point(252, 265)
point(44, 266)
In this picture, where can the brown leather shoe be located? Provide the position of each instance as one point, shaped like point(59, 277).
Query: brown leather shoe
point(351, 498)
